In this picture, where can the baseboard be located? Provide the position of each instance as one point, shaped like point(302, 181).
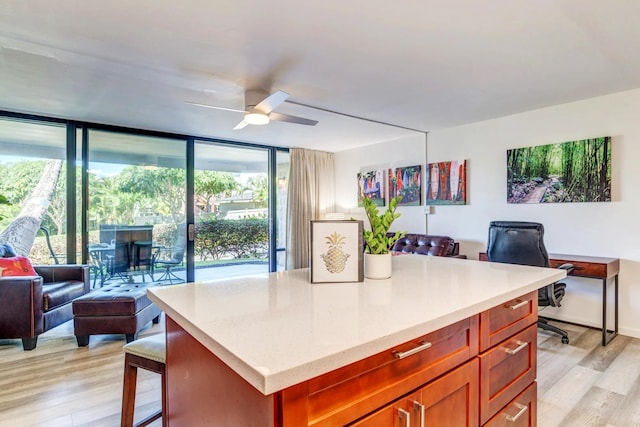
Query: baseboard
point(629, 332)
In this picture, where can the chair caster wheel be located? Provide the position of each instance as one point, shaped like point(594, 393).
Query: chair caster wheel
point(565, 340)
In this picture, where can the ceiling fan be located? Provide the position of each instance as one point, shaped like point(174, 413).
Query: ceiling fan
point(259, 108)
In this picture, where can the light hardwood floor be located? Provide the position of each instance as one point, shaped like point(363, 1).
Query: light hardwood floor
point(586, 384)
point(61, 385)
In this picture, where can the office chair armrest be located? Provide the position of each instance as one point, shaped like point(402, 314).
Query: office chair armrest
point(568, 267)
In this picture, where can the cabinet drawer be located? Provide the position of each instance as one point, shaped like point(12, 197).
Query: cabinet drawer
point(520, 412)
point(452, 397)
point(502, 321)
point(350, 392)
point(585, 268)
point(506, 370)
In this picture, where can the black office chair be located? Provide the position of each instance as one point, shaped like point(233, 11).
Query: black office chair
point(517, 242)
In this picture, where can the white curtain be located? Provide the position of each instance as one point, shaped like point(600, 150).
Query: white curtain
point(311, 195)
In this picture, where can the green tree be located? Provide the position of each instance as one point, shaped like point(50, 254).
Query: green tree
point(3, 201)
point(212, 184)
point(21, 232)
point(259, 187)
point(104, 199)
point(166, 185)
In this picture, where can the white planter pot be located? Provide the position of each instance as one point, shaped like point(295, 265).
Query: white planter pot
point(377, 266)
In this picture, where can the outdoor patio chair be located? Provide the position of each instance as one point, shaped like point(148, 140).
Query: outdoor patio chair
point(169, 258)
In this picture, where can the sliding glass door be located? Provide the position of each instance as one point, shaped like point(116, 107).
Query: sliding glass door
point(136, 216)
point(231, 197)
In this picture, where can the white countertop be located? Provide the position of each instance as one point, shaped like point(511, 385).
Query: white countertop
point(276, 330)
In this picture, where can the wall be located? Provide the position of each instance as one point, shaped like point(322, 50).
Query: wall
point(597, 229)
point(406, 151)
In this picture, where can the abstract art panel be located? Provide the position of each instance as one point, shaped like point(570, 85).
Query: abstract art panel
point(447, 183)
point(371, 185)
point(407, 182)
point(574, 171)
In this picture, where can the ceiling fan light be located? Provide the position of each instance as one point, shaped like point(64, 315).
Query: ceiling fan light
point(256, 118)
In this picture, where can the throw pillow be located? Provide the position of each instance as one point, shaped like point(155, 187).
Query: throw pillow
point(17, 266)
point(6, 250)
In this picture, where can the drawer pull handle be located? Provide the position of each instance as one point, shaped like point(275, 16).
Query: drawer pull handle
point(420, 409)
point(523, 409)
point(518, 305)
point(521, 345)
point(404, 416)
point(402, 354)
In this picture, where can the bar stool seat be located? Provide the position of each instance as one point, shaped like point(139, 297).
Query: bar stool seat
point(146, 353)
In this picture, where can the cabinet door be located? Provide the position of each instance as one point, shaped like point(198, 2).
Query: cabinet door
point(452, 400)
point(404, 412)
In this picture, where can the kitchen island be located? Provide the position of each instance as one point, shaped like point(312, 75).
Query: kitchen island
point(276, 350)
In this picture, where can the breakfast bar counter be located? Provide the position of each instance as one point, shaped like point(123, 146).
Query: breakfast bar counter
point(275, 349)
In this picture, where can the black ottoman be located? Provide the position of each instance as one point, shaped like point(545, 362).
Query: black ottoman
point(113, 309)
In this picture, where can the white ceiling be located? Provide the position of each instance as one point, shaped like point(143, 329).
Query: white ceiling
point(420, 64)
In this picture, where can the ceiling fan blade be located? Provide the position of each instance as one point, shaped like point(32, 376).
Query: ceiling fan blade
point(240, 125)
point(272, 101)
point(214, 107)
point(292, 119)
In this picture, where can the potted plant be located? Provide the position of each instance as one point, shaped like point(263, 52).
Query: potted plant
point(377, 257)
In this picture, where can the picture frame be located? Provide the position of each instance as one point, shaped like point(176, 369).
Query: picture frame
point(407, 182)
point(371, 184)
point(336, 251)
point(447, 183)
point(566, 172)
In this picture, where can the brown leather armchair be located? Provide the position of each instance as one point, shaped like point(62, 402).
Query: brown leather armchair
point(32, 305)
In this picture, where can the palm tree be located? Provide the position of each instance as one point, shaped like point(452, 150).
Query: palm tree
point(21, 233)
point(259, 187)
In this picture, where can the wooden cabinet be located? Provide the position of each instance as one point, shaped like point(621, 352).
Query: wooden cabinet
point(502, 321)
point(475, 371)
point(520, 412)
point(348, 393)
point(506, 370)
point(452, 397)
point(508, 346)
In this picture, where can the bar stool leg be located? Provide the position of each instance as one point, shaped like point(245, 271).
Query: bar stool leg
point(129, 392)
point(131, 364)
point(165, 422)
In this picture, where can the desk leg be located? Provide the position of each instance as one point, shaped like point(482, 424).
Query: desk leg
point(608, 335)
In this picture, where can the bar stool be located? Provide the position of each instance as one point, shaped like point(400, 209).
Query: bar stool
point(146, 353)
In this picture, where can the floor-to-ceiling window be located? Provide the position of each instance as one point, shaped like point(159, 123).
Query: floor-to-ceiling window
point(136, 220)
point(33, 188)
point(231, 197)
point(145, 189)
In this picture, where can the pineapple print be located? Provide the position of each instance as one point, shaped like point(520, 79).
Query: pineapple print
point(335, 259)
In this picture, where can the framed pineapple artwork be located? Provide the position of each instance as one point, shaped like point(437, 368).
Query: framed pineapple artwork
point(336, 251)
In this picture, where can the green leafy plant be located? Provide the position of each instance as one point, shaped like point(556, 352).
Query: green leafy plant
point(3, 201)
point(376, 239)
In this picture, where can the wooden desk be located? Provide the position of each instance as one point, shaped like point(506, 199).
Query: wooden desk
point(591, 267)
